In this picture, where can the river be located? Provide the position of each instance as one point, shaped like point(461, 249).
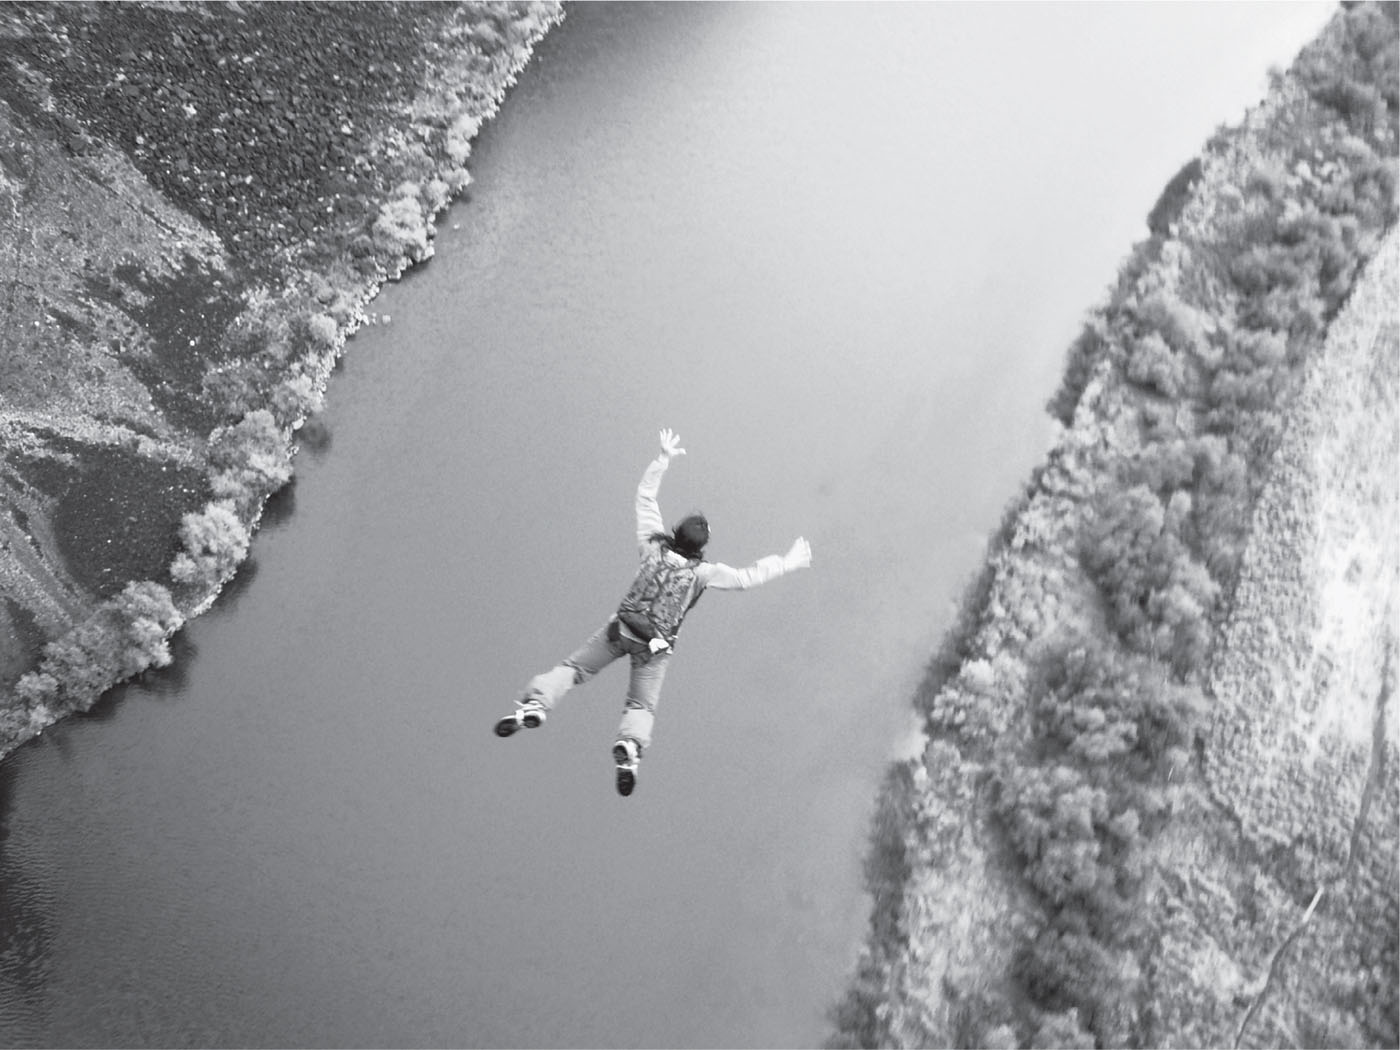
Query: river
point(841, 249)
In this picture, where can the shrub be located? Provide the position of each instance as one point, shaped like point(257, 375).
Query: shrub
point(436, 194)
point(1175, 321)
point(37, 689)
point(486, 36)
point(127, 634)
point(237, 387)
point(1068, 971)
point(400, 229)
point(1153, 364)
point(1260, 268)
point(1221, 506)
point(322, 331)
point(1120, 552)
point(16, 723)
point(1180, 609)
point(1052, 814)
point(294, 399)
point(1096, 705)
point(460, 136)
point(1364, 192)
point(145, 616)
point(215, 541)
point(76, 660)
point(1158, 596)
point(1162, 466)
point(249, 461)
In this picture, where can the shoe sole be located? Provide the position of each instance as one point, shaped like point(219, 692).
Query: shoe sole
point(508, 725)
point(626, 773)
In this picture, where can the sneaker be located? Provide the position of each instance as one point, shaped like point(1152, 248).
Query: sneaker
point(628, 758)
point(530, 714)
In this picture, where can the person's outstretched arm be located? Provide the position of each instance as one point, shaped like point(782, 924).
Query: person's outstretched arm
point(727, 578)
point(648, 510)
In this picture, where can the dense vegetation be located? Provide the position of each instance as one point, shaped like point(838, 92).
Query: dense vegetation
point(1078, 704)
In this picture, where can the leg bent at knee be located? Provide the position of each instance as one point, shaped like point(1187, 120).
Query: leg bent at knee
point(549, 687)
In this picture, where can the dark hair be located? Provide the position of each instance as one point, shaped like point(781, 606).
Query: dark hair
point(688, 538)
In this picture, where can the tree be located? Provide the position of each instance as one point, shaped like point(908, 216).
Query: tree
point(294, 399)
point(249, 460)
point(1065, 969)
point(401, 229)
point(215, 541)
point(1084, 354)
point(1153, 364)
point(37, 689)
point(144, 616)
point(127, 634)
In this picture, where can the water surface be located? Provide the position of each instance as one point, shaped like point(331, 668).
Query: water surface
point(841, 249)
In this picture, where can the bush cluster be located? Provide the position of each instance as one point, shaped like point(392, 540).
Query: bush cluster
point(129, 633)
point(1112, 732)
point(265, 366)
point(249, 461)
point(215, 542)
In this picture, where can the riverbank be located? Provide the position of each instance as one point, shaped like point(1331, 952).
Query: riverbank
point(197, 206)
point(1156, 802)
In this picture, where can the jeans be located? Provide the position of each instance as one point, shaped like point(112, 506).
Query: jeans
point(606, 645)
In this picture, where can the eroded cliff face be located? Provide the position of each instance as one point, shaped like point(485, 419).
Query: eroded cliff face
point(1158, 799)
point(197, 201)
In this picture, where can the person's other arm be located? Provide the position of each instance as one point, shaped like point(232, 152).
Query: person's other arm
point(727, 578)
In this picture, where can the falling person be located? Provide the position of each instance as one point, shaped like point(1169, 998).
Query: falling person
point(672, 576)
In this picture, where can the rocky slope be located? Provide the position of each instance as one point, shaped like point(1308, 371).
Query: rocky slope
point(196, 202)
point(1157, 801)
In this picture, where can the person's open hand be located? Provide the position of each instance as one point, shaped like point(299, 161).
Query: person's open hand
point(799, 556)
point(671, 443)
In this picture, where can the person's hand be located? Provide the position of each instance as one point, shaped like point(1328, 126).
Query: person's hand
point(671, 443)
point(657, 645)
point(799, 556)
